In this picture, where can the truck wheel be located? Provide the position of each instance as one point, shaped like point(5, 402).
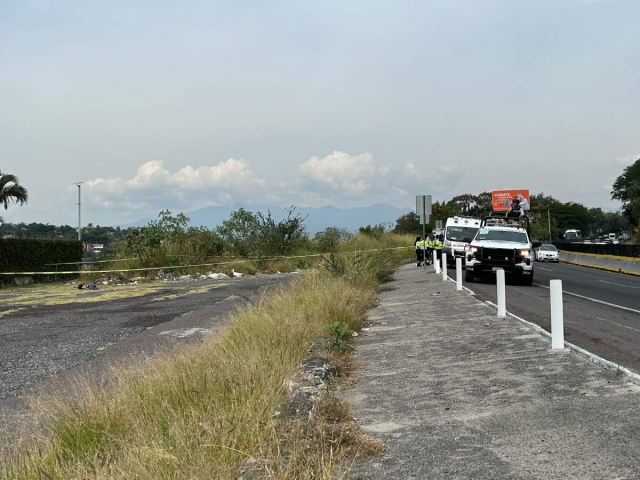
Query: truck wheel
point(527, 280)
point(468, 276)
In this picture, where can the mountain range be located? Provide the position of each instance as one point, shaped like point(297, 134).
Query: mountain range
point(317, 219)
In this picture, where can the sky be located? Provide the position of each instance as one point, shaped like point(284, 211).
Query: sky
point(180, 105)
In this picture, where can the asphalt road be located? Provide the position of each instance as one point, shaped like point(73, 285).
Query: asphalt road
point(601, 328)
point(615, 288)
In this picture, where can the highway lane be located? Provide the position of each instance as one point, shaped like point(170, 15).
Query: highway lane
point(609, 332)
point(609, 287)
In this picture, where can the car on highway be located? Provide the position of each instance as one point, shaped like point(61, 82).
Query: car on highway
point(501, 243)
point(546, 253)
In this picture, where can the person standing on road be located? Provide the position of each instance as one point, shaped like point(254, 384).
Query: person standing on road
point(438, 248)
point(431, 244)
point(419, 251)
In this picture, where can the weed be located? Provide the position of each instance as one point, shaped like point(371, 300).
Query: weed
point(339, 332)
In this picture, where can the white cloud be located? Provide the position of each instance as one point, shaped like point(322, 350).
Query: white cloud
point(154, 186)
point(341, 174)
point(339, 179)
point(351, 175)
point(628, 158)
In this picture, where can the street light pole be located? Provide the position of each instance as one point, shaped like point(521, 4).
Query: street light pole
point(79, 203)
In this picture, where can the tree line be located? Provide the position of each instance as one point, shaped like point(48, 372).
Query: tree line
point(549, 217)
point(248, 233)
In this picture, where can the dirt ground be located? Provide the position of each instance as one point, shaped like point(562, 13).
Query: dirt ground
point(51, 334)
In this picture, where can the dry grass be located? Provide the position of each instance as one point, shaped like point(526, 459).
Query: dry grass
point(200, 411)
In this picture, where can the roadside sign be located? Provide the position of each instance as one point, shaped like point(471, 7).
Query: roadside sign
point(501, 199)
point(423, 208)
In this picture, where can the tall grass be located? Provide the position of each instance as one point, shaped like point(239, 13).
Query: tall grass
point(200, 411)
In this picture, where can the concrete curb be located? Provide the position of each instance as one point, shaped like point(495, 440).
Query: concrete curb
point(593, 358)
point(609, 263)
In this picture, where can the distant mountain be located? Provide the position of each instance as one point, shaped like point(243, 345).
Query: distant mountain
point(317, 218)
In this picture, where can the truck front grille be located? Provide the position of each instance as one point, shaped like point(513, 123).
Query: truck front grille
point(496, 257)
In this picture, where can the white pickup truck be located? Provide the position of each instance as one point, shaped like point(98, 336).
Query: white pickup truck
point(501, 243)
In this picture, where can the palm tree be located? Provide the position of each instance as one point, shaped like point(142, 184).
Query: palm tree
point(11, 191)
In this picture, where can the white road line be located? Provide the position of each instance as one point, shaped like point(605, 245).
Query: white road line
point(594, 300)
point(618, 284)
point(545, 269)
point(590, 356)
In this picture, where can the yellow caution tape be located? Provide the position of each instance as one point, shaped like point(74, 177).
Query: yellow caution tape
point(75, 272)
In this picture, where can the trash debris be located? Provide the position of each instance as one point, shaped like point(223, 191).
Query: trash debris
point(217, 276)
point(236, 274)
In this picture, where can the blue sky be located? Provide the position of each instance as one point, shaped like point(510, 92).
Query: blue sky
point(182, 105)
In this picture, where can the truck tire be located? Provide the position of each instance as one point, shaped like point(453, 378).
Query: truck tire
point(468, 275)
point(527, 280)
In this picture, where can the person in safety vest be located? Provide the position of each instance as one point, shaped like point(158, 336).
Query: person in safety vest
point(431, 244)
point(438, 247)
point(419, 251)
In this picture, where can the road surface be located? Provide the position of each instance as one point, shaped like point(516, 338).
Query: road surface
point(601, 309)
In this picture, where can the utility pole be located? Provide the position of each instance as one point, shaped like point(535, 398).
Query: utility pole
point(549, 219)
point(79, 203)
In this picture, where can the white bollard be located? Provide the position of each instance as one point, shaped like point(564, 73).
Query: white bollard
point(459, 273)
point(435, 261)
point(557, 315)
point(444, 267)
point(502, 301)
point(437, 264)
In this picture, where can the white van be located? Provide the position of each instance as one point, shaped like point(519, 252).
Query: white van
point(458, 233)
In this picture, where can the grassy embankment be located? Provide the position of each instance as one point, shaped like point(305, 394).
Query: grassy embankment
point(200, 411)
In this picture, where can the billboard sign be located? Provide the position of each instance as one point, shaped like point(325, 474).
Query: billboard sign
point(501, 199)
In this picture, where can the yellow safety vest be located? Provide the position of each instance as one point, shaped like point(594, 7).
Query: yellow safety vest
point(438, 245)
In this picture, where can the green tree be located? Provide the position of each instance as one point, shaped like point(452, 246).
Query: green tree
point(11, 191)
point(329, 239)
point(375, 231)
point(279, 238)
point(626, 188)
point(240, 232)
point(408, 223)
point(169, 241)
point(473, 205)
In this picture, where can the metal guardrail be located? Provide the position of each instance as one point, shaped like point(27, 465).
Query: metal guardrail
point(620, 250)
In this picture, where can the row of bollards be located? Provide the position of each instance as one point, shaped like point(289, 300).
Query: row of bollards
point(557, 313)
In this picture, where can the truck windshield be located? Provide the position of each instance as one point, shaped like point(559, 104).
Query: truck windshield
point(458, 234)
point(572, 235)
point(502, 235)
